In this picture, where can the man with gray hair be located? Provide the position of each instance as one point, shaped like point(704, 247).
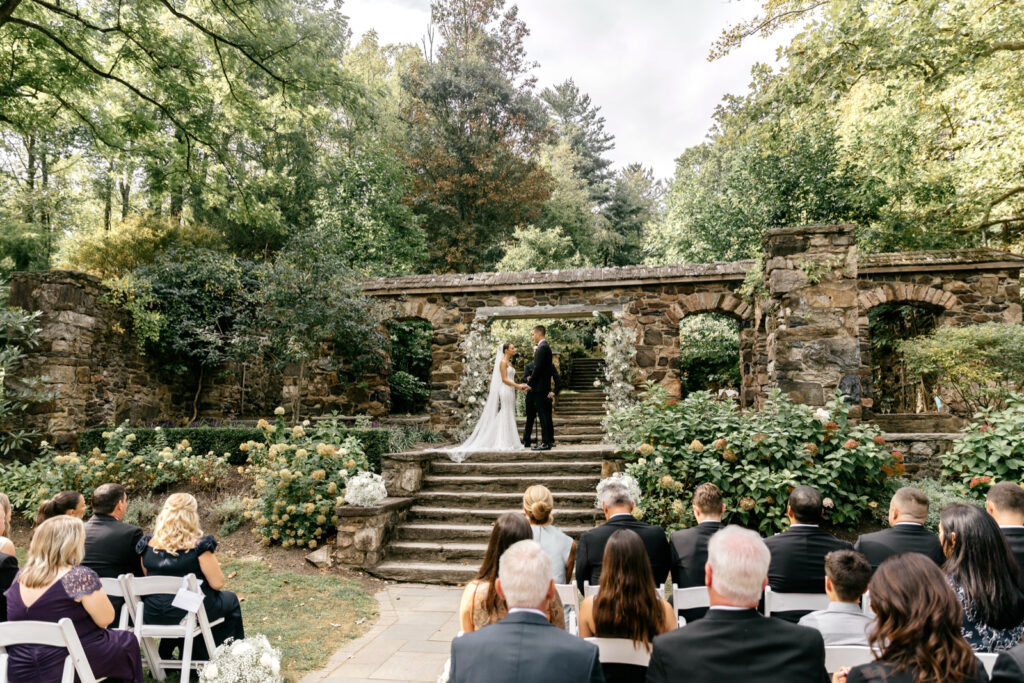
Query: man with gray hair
point(617, 504)
point(524, 647)
point(733, 642)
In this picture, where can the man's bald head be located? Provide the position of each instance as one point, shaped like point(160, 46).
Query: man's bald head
point(908, 505)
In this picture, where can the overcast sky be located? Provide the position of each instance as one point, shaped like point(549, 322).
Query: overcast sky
point(642, 61)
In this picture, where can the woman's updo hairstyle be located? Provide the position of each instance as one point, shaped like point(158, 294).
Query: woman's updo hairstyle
point(538, 504)
point(60, 504)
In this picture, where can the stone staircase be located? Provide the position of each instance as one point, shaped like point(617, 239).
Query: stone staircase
point(445, 534)
point(585, 371)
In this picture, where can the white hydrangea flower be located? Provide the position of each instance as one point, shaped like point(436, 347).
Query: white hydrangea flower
point(365, 489)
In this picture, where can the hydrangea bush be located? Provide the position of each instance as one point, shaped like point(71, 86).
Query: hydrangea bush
point(478, 349)
point(299, 477)
point(619, 478)
point(992, 448)
point(756, 457)
point(244, 661)
point(619, 343)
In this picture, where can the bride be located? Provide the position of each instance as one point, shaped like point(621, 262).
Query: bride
point(496, 429)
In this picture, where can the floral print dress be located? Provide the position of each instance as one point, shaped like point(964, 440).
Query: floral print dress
point(979, 635)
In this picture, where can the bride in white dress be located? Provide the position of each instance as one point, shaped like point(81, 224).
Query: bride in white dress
point(496, 429)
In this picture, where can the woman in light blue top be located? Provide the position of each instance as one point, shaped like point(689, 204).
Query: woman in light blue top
point(538, 504)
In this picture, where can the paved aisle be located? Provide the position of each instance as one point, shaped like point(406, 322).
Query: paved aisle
point(410, 642)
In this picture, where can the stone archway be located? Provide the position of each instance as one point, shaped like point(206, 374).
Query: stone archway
point(905, 292)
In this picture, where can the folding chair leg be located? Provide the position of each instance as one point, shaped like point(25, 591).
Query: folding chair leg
point(69, 671)
point(186, 654)
point(152, 656)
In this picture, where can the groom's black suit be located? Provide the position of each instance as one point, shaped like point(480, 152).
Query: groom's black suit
point(540, 387)
point(531, 409)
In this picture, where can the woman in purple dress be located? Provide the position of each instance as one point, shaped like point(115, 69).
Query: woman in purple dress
point(52, 586)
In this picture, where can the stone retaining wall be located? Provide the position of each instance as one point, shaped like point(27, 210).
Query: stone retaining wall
point(363, 533)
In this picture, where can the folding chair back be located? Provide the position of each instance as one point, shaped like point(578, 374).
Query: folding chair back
point(61, 634)
point(114, 588)
point(865, 604)
point(660, 590)
point(588, 590)
point(690, 598)
point(988, 660)
point(838, 656)
point(621, 651)
point(786, 602)
point(569, 596)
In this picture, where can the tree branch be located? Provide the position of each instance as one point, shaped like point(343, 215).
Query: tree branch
point(7, 9)
point(1002, 45)
point(76, 16)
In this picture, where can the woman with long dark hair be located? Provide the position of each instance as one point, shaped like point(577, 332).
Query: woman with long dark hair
point(985, 577)
point(64, 503)
point(481, 605)
point(916, 633)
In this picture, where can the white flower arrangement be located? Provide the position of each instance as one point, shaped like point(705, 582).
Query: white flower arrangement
point(477, 349)
point(619, 343)
point(365, 489)
point(619, 478)
point(244, 661)
point(822, 415)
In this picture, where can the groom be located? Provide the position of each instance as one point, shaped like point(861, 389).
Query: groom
point(540, 395)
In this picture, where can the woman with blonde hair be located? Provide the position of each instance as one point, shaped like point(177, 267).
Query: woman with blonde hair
point(177, 547)
point(53, 585)
point(6, 544)
point(538, 504)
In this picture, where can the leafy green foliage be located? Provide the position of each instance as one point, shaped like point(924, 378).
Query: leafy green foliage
point(411, 359)
point(19, 335)
point(755, 457)
point(534, 248)
point(709, 352)
point(229, 513)
point(894, 390)
point(220, 440)
point(408, 393)
point(992, 447)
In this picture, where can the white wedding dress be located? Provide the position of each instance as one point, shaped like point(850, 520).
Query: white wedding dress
point(496, 429)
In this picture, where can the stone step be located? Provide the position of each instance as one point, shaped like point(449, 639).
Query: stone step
point(567, 452)
point(426, 572)
point(568, 427)
point(492, 500)
point(497, 468)
point(430, 514)
point(433, 551)
point(423, 531)
point(562, 419)
point(515, 483)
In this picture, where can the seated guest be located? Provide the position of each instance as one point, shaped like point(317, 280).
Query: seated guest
point(916, 632)
point(110, 543)
point(524, 647)
point(6, 544)
point(64, 503)
point(538, 504)
point(617, 504)
point(689, 547)
point(1005, 503)
point(52, 586)
point(733, 642)
point(846, 578)
point(908, 511)
point(985, 577)
point(1009, 666)
point(178, 547)
point(798, 554)
point(480, 604)
point(8, 564)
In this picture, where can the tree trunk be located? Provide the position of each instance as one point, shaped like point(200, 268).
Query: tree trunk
point(30, 178)
point(108, 196)
point(195, 398)
point(44, 214)
point(124, 186)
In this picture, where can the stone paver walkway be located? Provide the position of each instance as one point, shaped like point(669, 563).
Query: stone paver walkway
point(410, 642)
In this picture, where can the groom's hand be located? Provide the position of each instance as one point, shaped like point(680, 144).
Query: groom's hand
point(551, 395)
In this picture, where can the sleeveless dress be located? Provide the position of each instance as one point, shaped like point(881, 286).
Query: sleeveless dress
point(494, 432)
point(111, 653)
point(158, 608)
point(557, 545)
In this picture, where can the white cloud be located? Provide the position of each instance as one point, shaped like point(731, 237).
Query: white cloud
point(643, 62)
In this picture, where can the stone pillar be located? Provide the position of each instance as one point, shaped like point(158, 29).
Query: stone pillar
point(811, 313)
point(363, 533)
point(657, 343)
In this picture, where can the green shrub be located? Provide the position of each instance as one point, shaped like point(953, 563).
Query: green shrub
point(142, 510)
point(407, 392)
point(229, 513)
point(220, 440)
point(755, 457)
point(940, 494)
point(980, 364)
point(709, 352)
point(992, 447)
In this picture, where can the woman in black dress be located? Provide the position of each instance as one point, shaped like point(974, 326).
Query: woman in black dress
point(178, 547)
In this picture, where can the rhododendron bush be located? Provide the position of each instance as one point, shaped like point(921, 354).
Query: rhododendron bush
point(992, 448)
point(755, 456)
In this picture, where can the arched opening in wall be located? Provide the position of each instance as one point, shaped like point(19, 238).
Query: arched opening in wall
point(893, 388)
point(709, 354)
point(411, 358)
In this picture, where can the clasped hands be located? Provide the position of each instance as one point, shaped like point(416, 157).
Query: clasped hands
point(526, 387)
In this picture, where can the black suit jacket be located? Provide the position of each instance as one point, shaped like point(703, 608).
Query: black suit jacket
point(543, 365)
point(798, 562)
point(110, 547)
point(902, 538)
point(523, 648)
point(1015, 537)
point(689, 549)
point(555, 377)
point(882, 671)
point(1009, 666)
point(728, 646)
point(590, 549)
point(8, 570)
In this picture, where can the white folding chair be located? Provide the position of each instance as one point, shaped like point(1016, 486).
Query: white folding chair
point(61, 634)
point(786, 602)
point(689, 598)
point(621, 651)
point(865, 605)
point(988, 660)
point(193, 625)
point(569, 595)
point(660, 590)
point(838, 656)
point(588, 590)
point(114, 588)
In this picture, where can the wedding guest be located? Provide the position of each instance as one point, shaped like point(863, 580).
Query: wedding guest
point(524, 646)
point(64, 503)
point(480, 605)
point(985, 577)
point(689, 547)
point(916, 632)
point(8, 564)
point(54, 585)
point(177, 547)
point(6, 544)
point(733, 642)
point(908, 511)
point(109, 542)
point(538, 504)
point(798, 554)
point(1009, 666)
point(846, 578)
point(1005, 502)
point(617, 504)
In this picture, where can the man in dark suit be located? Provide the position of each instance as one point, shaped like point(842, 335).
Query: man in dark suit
point(540, 393)
point(531, 409)
point(617, 503)
point(798, 554)
point(8, 570)
point(1009, 667)
point(109, 542)
point(689, 547)
point(733, 642)
point(524, 647)
point(1006, 505)
point(908, 511)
